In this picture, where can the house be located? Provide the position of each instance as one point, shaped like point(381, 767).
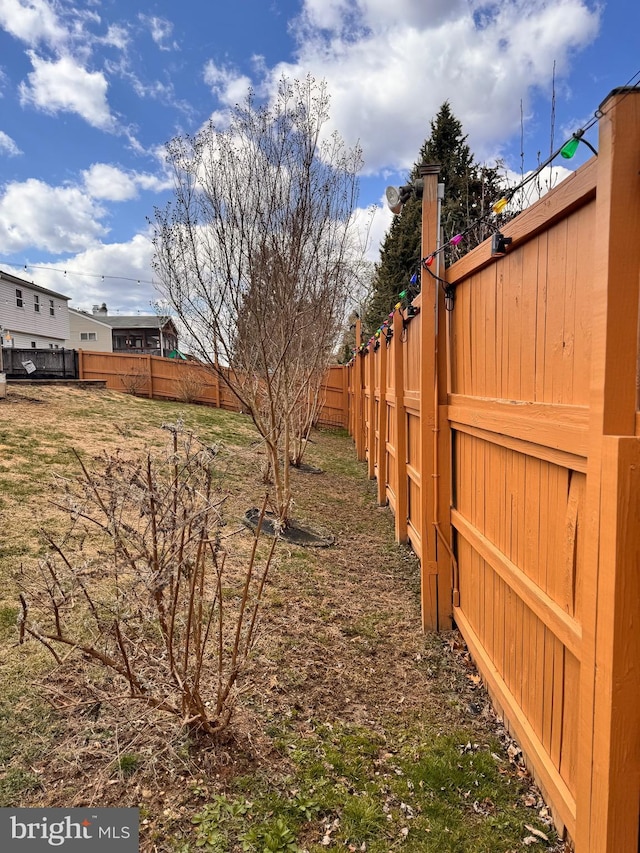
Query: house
point(88, 332)
point(151, 334)
point(32, 317)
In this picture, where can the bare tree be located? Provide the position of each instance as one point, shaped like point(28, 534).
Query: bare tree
point(257, 253)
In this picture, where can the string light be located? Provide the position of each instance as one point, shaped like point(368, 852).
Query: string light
point(64, 272)
point(569, 148)
point(500, 205)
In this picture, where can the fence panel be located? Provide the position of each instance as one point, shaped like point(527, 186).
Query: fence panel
point(40, 363)
point(528, 428)
point(411, 351)
point(168, 379)
point(521, 371)
point(333, 395)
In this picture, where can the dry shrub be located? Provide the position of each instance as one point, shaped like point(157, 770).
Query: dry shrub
point(150, 605)
point(190, 385)
point(134, 380)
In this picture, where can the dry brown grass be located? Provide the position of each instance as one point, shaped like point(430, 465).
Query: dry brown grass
point(340, 641)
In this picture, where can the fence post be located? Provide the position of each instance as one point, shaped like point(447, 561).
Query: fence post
point(358, 395)
point(344, 375)
point(608, 787)
point(80, 364)
point(382, 425)
point(371, 414)
point(400, 416)
point(150, 373)
point(433, 483)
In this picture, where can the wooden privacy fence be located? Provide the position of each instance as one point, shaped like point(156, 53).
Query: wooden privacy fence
point(504, 434)
point(169, 379)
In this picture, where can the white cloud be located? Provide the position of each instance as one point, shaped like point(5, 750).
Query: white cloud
point(374, 224)
point(8, 146)
point(229, 87)
point(116, 273)
point(539, 186)
point(389, 67)
point(104, 181)
point(65, 86)
point(117, 36)
point(57, 219)
point(109, 183)
point(345, 18)
point(32, 21)
point(161, 30)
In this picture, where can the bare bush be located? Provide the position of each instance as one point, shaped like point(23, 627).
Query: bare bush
point(134, 380)
point(150, 605)
point(190, 384)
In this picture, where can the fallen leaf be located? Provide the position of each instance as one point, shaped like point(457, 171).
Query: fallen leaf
point(536, 832)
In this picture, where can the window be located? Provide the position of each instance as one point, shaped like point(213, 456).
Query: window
point(36, 302)
point(33, 344)
point(88, 336)
point(50, 346)
point(18, 298)
point(52, 308)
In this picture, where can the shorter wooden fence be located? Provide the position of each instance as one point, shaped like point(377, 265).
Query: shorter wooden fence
point(168, 379)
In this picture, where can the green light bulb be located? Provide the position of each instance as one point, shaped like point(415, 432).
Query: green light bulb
point(569, 148)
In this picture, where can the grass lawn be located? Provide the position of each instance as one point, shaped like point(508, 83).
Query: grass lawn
point(353, 731)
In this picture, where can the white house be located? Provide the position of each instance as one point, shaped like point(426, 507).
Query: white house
point(89, 332)
point(32, 317)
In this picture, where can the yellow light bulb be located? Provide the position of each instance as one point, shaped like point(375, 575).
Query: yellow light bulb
point(500, 205)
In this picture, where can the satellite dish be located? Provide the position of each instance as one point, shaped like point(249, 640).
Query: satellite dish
point(393, 199)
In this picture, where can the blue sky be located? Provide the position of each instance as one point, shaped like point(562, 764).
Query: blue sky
point(91, 91)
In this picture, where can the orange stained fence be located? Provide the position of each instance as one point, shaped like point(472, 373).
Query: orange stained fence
point(168, 379)
point(505, 437)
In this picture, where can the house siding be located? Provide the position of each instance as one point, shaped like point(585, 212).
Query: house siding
point(27, 325)
point(79, 324)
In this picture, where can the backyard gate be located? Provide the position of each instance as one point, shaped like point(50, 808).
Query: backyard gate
point(505, 437)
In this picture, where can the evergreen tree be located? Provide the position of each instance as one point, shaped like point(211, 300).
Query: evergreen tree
point(470, 190)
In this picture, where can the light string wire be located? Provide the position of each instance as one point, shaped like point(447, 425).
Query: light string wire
point(509, 194)
point(427, 261)
point(65, 272)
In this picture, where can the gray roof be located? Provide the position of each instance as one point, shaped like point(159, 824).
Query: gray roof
point(137, 321)
point(86, 316)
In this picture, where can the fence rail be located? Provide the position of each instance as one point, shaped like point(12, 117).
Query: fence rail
point(504, 436)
